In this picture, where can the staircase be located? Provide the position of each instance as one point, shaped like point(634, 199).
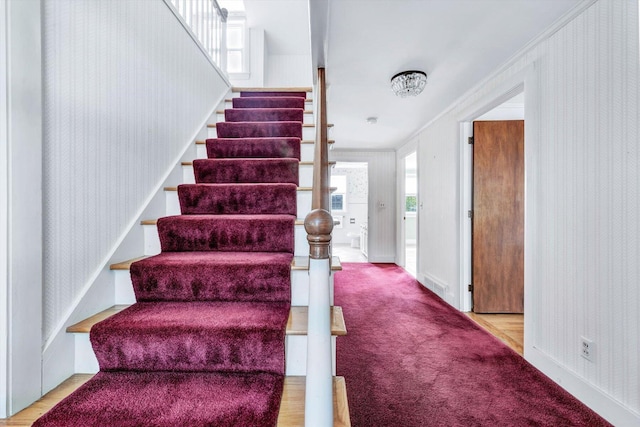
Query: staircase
point(210, 323)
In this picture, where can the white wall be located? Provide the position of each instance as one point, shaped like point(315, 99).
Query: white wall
point(582, 237)
point(382, 190)
point(125, 91)
point(20, 205)
point(288, 70)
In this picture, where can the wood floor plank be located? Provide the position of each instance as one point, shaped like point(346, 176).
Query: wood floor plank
point(298, 321)
point(126, 265)
point(85, 325)
point(27, 416)
point(272, 89)
point(509, 328)
point(296, 324)
point(291, 407)
point(302, 263)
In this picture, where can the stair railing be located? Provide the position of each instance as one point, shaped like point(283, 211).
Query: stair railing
point(208, 24)
point(319, 225)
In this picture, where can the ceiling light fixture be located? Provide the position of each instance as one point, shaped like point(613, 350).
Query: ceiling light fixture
point(372, 120)
point(408, 83)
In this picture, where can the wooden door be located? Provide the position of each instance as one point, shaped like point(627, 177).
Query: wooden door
point(498, 217)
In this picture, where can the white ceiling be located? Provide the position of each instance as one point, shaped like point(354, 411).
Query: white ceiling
point(456, 42)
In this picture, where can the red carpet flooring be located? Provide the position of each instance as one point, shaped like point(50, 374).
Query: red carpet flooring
point(204, 345)
point(409, 359)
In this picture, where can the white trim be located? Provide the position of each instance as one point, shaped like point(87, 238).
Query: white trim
point(598, 400)
point(466, 194)
point(401, 256)
point(22, 295)
point(4, 225)
point(196, 41)
point(499, 95)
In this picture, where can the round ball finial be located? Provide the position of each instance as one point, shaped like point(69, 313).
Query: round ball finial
point(319, 225)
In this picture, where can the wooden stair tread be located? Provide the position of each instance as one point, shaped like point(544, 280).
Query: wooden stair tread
point(126, 265)
point(27, 416)
point(292, 404)
point(299, 188)
point(85, 325)
point(305, 112)
point(272, 89)
point(155, 221)
point(296, 325)
point(304, 141)
point(298, 319)
point(310, 100)
point(186, 163)
point(298, 263)
point(302, 263)
point(304, 125)
point(291, 407)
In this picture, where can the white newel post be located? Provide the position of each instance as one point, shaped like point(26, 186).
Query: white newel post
point(319, 380)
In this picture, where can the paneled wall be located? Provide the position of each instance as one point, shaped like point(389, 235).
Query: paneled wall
point(382, 203)
point(582, 202)
point(125, 90)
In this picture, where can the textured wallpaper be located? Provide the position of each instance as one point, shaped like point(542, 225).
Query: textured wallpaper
point(125, 87)
point(583, 196)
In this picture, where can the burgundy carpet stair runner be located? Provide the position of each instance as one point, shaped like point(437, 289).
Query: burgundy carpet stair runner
point(204, 343)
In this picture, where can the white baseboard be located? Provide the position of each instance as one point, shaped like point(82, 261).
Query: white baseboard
point(382, 259)
point(596, 399)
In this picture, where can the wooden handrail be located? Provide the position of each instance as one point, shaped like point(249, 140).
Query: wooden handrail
point(319, 222)
point(321, 193)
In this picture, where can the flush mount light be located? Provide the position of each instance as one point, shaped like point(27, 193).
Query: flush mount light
point(372, 120)
point(408, 83)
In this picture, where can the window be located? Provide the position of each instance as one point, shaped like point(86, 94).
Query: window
point(236, 44)
point(411, 203)
point(338, 197)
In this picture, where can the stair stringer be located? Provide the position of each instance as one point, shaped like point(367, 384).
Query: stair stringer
point(59, 351)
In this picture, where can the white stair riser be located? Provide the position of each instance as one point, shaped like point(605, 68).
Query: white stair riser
point(307, 133)
point(295, 355)
point(306, 152)
point(303, 203)
point(85, 359)
point(299, 287)
point(152, 240)
point(305, 175)
point(307, 118)
point(301, 247)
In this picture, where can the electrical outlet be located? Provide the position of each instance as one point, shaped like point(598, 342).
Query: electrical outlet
point(588, 349)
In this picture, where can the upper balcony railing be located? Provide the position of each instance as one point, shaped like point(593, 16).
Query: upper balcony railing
point(207, 22)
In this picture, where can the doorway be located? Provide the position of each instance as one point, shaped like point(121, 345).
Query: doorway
point(350, 210)
point(409, 214)
point(509, 327)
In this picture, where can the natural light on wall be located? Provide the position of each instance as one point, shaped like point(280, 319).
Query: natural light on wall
point(237, 61)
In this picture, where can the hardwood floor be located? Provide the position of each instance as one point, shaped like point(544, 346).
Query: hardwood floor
point(27, 416)
point(291, 408)
point(509, 328)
